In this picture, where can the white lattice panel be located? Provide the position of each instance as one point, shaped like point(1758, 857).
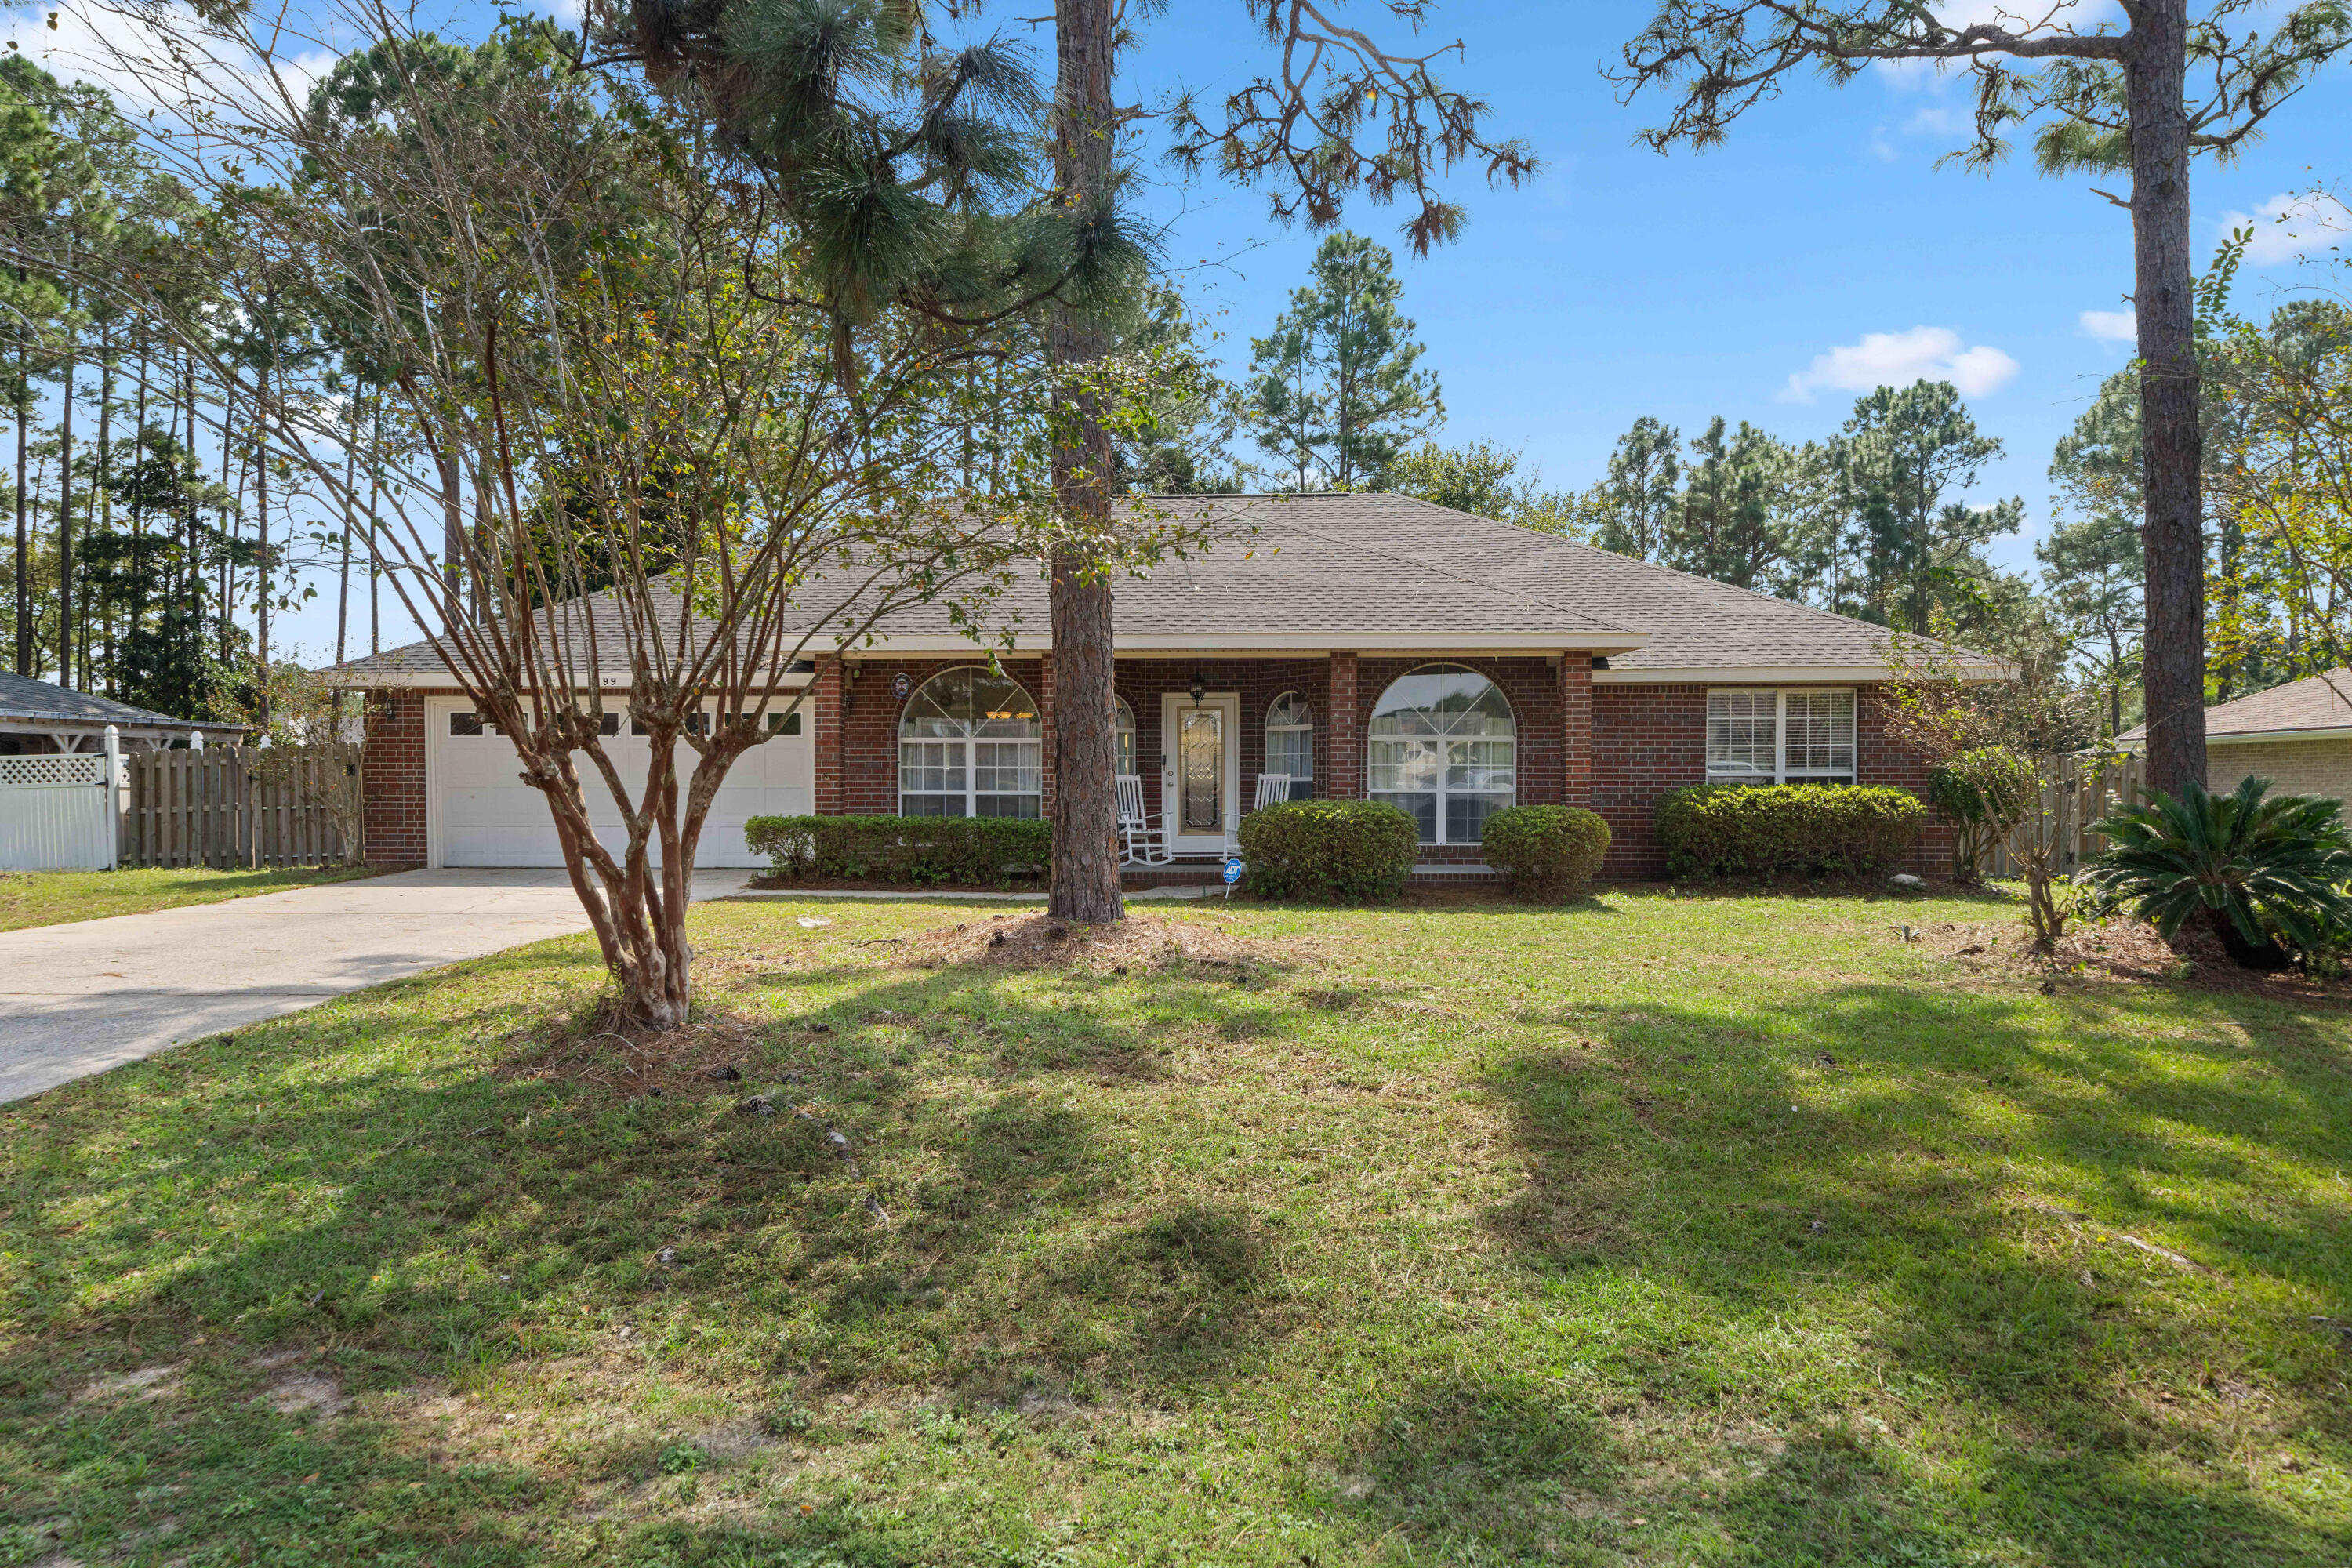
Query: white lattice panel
point(53, 769)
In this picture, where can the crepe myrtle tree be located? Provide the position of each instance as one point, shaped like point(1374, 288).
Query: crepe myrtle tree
point(2147, 93)
point(598, 353)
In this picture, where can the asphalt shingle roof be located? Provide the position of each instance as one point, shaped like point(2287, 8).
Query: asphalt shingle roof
point(1368, 570)
point(22, 697)
point(2316, 702)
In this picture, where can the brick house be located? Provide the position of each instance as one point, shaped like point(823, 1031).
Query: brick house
point(1360, 645)
point(2298, 736)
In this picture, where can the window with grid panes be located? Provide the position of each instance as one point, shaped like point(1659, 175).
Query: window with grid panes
point(969, 744)
point(1765, 735)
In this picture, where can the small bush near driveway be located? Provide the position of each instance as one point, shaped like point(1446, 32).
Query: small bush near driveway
point(1329, 850)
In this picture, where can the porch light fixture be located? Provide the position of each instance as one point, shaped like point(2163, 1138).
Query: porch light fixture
point(1200, 687)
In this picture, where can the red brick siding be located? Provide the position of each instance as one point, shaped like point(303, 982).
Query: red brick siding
point(1576, 729)
point(1648, 740)
point(393, 781)
point(825, 701)
point(1340, 721)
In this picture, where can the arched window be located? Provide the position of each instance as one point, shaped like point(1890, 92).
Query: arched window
point(1445, 748)
point(969, 746)
point(1125, 737)
point(1290, 743)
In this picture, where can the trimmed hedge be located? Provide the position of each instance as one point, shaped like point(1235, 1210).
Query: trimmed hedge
point(921, 849)
point(1762, 830)
point(1547, 852)
point(1328, 849)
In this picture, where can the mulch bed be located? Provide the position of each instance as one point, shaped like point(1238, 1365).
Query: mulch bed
point(2125, 950)
point(1038, 941)
point(635, 1061)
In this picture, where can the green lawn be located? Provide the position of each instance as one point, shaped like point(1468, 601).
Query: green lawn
point(55, 898)
point(1658, 1230)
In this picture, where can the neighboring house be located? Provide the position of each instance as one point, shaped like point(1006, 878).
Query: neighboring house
point(2298, 736)
point(38, 717)
point(1364, 645)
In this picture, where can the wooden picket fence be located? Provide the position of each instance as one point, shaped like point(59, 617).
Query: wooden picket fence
point(216, 808)
point(2080, 790)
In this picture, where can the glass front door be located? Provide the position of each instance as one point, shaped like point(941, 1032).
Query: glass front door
point(1201, 770)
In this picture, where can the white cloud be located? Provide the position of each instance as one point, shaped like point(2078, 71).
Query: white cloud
point(2291, 225)
point(1939, 119)
point(1897, 359)
point(2111, 326)
point(110, 44)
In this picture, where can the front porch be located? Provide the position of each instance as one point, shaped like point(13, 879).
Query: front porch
point(1449, 737)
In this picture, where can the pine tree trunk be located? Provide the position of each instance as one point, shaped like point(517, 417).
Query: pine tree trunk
point(261, 557)
point(65, 534)
point(1084, 886)
point(24, 534)
point(2171, 446)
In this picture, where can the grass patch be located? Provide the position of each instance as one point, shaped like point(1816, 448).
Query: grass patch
point(59, 897)
point(1656, 1229)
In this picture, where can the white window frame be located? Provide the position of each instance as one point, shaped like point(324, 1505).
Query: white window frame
point(1442, 744)
point(1781, 772)
point(1027, 753)
point(1306, 729)
point(1123, 743)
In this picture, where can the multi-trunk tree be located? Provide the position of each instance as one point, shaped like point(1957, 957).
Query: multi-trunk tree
point(2146, 93)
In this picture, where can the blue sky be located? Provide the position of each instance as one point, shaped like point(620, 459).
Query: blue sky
point(1770, 280)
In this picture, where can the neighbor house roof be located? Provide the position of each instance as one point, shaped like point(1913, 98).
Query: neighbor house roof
point(43, 705)
point(1372, 573)
point(2311, 708)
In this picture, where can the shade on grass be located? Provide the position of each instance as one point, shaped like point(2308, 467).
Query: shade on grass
point(1652, 1228)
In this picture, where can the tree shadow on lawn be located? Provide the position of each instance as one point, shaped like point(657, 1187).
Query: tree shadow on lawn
point(427, 1219)
point(1880, 1165)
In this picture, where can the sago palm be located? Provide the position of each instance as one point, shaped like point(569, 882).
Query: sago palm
point(2254, 867)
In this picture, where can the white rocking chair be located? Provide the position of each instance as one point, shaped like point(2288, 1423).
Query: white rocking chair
point(1271, 787)
point(1142, 838)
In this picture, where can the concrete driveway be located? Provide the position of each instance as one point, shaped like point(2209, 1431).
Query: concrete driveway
point(78, 999)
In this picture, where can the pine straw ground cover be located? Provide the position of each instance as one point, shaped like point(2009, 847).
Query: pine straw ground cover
point(1653, 1229)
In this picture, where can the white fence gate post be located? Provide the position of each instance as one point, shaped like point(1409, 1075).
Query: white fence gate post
point(114, 788)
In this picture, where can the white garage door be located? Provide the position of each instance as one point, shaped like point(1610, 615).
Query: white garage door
point(486, 816)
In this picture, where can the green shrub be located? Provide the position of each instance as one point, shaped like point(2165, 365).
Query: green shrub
point(921, 849)
point(1752, 830)
point(1986, 793)
point(2265, 875)
point(1329, 848)
point(1546, 851)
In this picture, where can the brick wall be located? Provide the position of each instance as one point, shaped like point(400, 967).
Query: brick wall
point(393, 780)
point(2294, 767)
point(825, 700)
point(1340, 722)
point(1648, 740)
